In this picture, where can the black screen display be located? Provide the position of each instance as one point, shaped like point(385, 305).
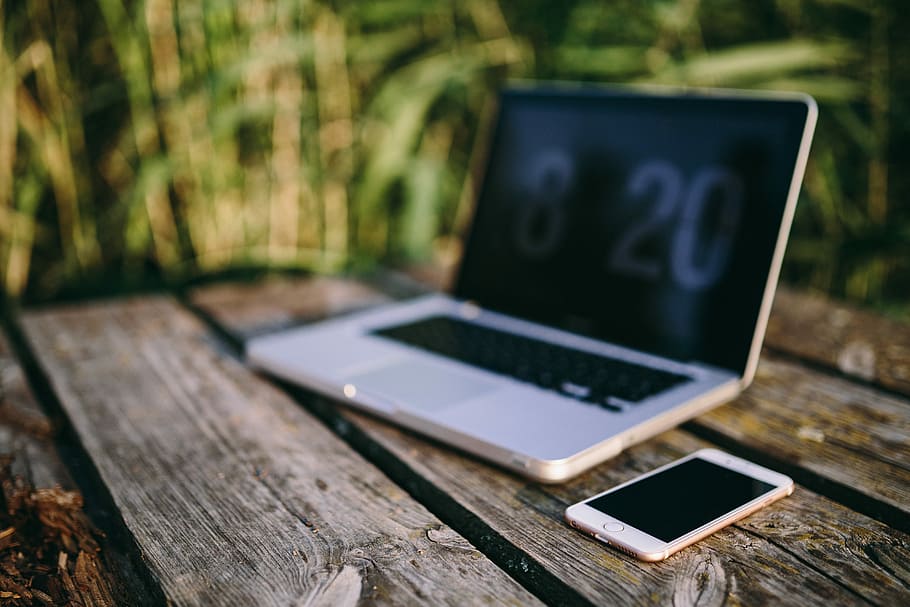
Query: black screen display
point(647, 221)
point(680, 499)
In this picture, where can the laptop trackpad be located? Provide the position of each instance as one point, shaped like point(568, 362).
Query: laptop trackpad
point(419, 386)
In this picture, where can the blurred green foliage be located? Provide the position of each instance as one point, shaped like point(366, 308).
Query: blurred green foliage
point(167, 139)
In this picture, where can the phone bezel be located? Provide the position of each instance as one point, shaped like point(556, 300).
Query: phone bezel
point(647, 547)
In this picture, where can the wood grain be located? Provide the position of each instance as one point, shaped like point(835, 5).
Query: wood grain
point(855, 342)
point(805, 549)
point(837, 429)
point(233, 493)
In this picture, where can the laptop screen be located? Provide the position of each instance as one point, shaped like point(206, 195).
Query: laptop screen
point(648, 221)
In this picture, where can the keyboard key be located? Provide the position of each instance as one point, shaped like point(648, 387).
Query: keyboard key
point(570, 389)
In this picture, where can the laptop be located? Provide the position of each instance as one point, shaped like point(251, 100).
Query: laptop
point(616, 280)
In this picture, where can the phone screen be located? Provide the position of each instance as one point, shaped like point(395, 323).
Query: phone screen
point(672, 503)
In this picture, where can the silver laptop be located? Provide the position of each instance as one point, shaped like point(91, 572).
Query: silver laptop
point(616, 280)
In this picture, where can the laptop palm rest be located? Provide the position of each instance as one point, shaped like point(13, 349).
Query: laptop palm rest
point(420, 386)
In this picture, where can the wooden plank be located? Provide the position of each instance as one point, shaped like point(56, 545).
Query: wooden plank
point(858, 343)
point(849, 433)
point(790, 554)
point(39, 480)
point(232, 492)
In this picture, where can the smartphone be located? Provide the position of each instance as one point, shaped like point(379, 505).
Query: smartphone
point(665, 510)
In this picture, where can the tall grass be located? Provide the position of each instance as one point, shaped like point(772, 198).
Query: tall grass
point(180, 137)
point(279, 133)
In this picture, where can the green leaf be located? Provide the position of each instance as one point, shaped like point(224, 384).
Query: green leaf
point(755, 63)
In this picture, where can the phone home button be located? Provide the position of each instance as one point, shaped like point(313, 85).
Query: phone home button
point(613, 527)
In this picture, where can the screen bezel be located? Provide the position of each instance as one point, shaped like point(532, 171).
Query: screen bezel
point(801, 106)
point(649, 548)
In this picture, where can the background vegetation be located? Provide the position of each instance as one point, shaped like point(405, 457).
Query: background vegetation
point(143, 140)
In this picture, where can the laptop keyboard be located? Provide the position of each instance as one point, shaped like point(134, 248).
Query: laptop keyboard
point(593, 378)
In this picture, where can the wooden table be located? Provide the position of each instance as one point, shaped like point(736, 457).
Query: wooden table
point(217, 486)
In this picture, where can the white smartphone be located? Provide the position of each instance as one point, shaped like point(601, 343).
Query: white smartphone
point(663, 511)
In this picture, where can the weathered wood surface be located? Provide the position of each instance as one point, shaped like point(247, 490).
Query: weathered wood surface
point(233, 493)
point(849, 433)
point(802, 550)
point(805, 549)
point(26, 434)
point(839, 430)
point(857, 343)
